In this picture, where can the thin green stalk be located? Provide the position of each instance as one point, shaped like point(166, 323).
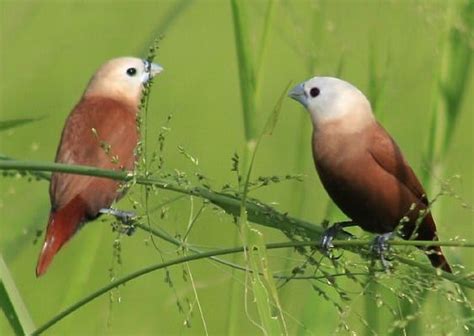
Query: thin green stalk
point(258, 212)
point(184, 245)
point(342, 244)
point(215, 253)
point(263, 48)
point(246, 69)
point(12, 304)
point(14, 123)
point(37, 174)
point(250, 75)
point(449, 90)
point(149, 269)
point(263, 286)
point(169, 18)
point(377, 79)
point(338, 242)
point(451, 84)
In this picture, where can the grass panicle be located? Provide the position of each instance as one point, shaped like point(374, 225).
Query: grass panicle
point(250, 65)
point(257, 211)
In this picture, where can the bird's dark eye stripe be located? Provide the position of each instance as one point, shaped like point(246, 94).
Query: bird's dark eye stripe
point(314, 92)
point(131, 71)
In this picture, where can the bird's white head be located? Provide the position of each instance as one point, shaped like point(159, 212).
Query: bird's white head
point(330, 99)
point(122, 78)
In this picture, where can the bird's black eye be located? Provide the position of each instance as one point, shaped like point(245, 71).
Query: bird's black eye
point(314, 92)
point(131, 71)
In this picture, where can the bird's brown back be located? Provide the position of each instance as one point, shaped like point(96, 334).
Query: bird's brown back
point(99, 132)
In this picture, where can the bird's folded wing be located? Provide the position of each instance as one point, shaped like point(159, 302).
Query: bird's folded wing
point(387, 154)
point(100, 133)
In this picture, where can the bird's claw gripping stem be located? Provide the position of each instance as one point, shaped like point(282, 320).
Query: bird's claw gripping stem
point(327, 238)
point(126, 217)
point(380, 247)
point(329, 235)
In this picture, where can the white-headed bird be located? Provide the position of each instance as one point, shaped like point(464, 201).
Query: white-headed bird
point(101, 131)
point(362, 168)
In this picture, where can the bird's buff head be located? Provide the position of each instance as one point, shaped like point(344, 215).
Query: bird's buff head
point(331, 99)
point(122, 78)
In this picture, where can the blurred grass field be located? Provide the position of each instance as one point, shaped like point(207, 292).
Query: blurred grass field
point(50, 49)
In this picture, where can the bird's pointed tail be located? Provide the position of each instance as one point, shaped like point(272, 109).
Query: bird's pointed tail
point(427, 231)
point(436, 256)
point(62, 225)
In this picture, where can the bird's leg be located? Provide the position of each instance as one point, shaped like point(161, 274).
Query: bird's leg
point(380, 247)
point(126, 217)
point(328, 235)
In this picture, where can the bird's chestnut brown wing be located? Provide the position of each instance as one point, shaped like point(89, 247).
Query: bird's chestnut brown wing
point(102, 133)
point(374, 185)
point(388, 155)
point(396, 165)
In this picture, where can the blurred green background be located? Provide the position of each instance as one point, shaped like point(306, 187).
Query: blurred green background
point(49, 50)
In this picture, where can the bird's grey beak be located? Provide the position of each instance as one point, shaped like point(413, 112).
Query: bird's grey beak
point(298, 94)
point(155, 69)
point(151, 70)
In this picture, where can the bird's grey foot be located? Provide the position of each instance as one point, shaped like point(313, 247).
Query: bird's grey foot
point(380, 247)
point(329, 235)
point(126, 217)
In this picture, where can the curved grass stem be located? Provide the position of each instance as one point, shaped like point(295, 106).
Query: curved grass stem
point(215, 253)
point(257, 212)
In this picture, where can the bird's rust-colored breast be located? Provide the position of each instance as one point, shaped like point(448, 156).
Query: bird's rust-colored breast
point(368, 178)
point(99, 132)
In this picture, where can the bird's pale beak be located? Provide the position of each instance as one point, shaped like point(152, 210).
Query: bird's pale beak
point(155, 69)
point(298, 94)
point(151, 70)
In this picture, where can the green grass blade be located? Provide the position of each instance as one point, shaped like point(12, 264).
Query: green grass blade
point(458, 60)
point(257, 259)
point(141, 272)
point(169, 18)
point(246, 69)
point(9, 311)
point(377, 79)
point(250, 75)
point(449, 91)
point(273, 118)
point(261, 279)
point(451, 85)
point(247, 97)
point(263, 48)
point(12, 303)
point(258, 212)
point(13, 123)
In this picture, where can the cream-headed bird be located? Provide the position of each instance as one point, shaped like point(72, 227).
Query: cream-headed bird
point(362, 168)
point(101, 131)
